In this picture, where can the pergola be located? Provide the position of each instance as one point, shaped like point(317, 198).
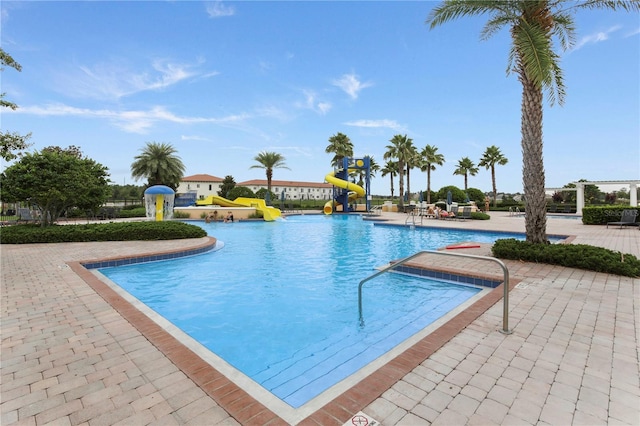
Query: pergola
point(633, 191)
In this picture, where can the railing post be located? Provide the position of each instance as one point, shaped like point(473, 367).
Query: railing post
point(505, 283)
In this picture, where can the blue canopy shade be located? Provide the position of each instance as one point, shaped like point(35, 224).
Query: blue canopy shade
point(159, 190)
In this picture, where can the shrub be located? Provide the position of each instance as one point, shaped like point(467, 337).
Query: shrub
point(177, 214)
point(579, 256)
point(600, 215)
point(480, 216)
point(135, 212)
point(120, 231)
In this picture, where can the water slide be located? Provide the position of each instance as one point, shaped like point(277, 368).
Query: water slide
point(269, 213)
point(356, 191)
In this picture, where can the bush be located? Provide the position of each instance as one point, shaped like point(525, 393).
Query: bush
point(600, 215)
point(135, 212)
point(121, 231)
point(579, 256)
point(480, 216)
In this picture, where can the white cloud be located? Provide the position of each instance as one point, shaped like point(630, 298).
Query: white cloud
point(133, 121)
point(112, 80)
point(311, 103)
point(595, 37)
point(387, 124)
point(193, 138)
point(216, 9)
point(351, 85)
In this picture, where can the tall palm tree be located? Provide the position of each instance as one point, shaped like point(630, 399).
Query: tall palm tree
point(413, 160)
point(341, 146)
point(400, 150)
point(533, 26)
point(269, 161)
point(390, 168)
point(158, 163)
point(465, 168)
point(430, 159)
point(490, 158)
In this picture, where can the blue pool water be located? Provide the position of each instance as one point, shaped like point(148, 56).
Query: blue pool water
point(279, 301)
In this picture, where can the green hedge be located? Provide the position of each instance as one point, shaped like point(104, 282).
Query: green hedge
point(579, 256)
point(600, 215)
point(121, 231)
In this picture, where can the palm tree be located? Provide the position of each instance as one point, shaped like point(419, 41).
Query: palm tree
point(269, 161)
point(430, 159)
point(158, 163)
point(490, 158)
point(412, 161)
point(400, 150)
point(533, 25)
point(390, 168)
point(341, 146)
point(466, 168)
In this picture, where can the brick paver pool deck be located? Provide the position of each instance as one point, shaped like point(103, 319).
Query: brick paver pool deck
point(74, 352)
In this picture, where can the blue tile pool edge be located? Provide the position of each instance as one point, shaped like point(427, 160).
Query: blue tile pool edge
point(446, 275)
point(211, 244)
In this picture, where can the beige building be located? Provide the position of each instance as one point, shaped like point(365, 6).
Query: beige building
point(205, 185)
point(293, 190)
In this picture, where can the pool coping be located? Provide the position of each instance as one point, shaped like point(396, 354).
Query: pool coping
point(232, 397)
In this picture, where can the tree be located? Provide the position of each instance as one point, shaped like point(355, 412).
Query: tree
point(340, 145)
point(11, 143)
point(490, 158)
point(465, 168)
point(269, 161)
point(413, 160)
point(430, 159)
point(159, 164)
point(240, 191)
point(401, 149)
point(533, 26)
point(228, 183)
point(55, 180)
point(390, 168)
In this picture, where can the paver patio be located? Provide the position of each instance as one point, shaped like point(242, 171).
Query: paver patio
point(69, 357)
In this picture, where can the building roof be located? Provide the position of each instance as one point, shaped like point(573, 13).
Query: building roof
point(201, 178)
point(288, 183)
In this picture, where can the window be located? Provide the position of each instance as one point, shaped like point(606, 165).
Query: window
point(210, 187)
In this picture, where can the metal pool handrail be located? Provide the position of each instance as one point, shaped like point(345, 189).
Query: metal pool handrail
point(505, 284)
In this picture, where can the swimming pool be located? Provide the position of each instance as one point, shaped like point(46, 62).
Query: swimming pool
point(279, 301)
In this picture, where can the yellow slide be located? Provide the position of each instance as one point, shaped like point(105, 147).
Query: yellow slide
point(269, 213)
point(356, 191)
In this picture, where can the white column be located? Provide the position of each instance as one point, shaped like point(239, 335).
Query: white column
point(633, 194)
point(579, 198)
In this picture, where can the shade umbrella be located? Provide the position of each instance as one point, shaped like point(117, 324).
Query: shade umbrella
point(449, 198)
point(421, 197)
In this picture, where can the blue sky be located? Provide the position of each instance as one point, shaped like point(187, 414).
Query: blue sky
point(222, 81)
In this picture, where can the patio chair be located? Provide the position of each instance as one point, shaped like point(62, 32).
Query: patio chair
point(628, 218)
point(465, 213)
point(567, 209)
point(553, 209)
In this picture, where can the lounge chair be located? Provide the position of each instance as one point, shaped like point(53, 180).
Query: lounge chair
point(465, 213)
point(452, 213)
point(628, 218)
point(567, 209)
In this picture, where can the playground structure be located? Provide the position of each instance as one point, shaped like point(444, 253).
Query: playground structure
point(158, 200)
point(268, 213)
point(345, 192)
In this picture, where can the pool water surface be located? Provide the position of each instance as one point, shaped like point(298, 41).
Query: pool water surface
point(279, 300)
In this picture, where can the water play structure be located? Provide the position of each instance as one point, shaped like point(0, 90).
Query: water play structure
point(345, 192)
point(268, 213)
point(158, 201)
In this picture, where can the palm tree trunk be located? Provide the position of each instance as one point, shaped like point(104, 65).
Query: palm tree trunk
point(495, 190)
point(391, 185)
point(401, 185)
point(429, 184)
point(533, 166)
point(408, 184)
